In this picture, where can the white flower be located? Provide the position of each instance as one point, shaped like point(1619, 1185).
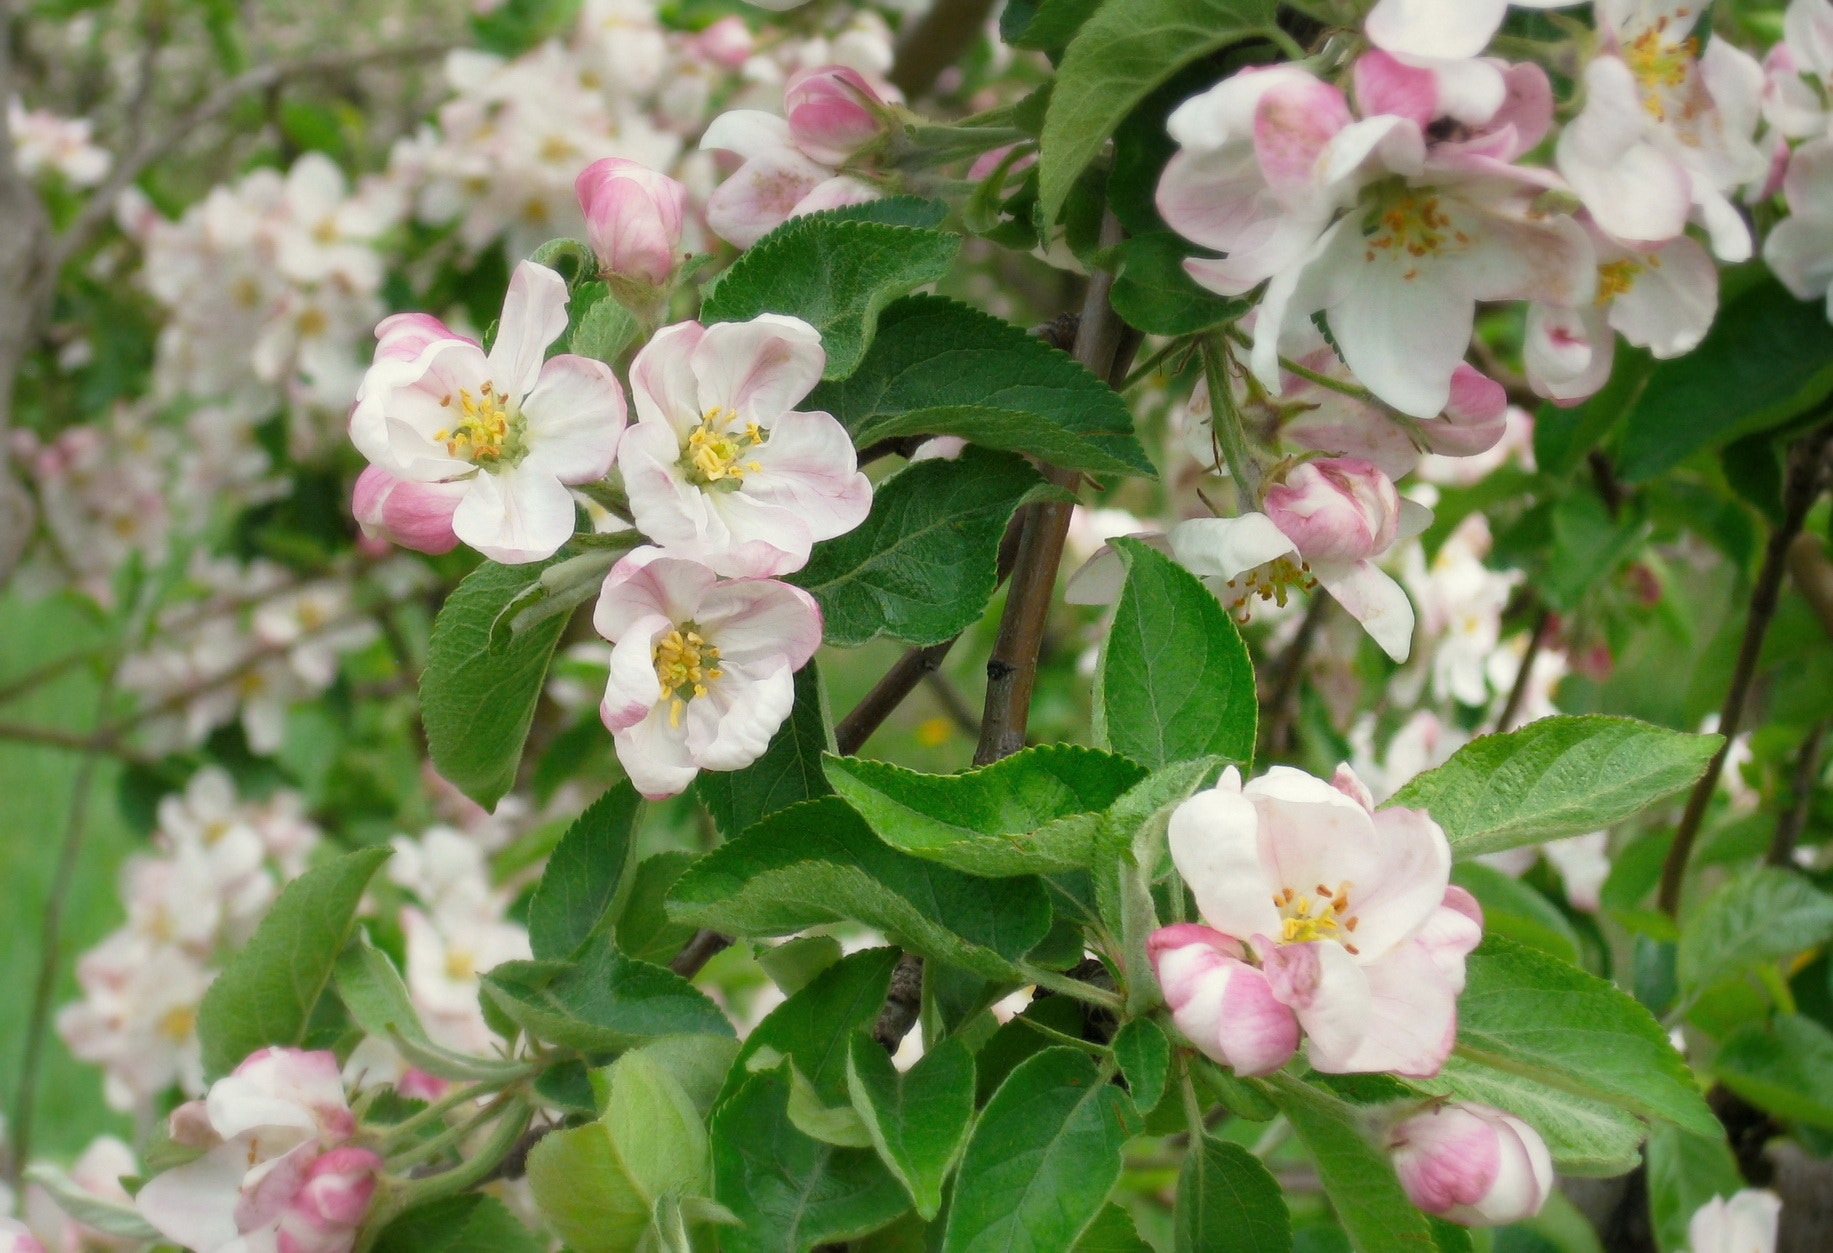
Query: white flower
point(1744, 1223)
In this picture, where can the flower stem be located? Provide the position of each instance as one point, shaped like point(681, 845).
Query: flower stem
point(1225, 421)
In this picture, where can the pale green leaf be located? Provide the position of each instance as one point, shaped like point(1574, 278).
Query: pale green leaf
point(1762, 915)
point(1357, 1176)
point(1785, 1067)
point(1684, 1172)
point(602, 1001)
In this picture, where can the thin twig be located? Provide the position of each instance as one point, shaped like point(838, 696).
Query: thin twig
point(1543, 626)
point(1282, 705)
point(1800, 487)
point(698, 951)
point(952, 703)
point(935, 41)
point(903, 1003)
point(1806, 778)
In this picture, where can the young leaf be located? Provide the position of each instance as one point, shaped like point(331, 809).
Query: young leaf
point(699, 1063)
point(1033, 812)
point(1762, 915)
point(923, 565)
point(477, 700)
point(835, 275)
point(1043, 1157)
point(1144, 1055)
point(602, 1001)
point(919, 1120)
point(787, 773)
point(1684, 1172)
point(371, 989)
point(939, 367)
point(792, 1192)
point(1357, 1176)
point(1555, 777)
point(812, 1027)
point(839, 1125)
point(1785, 1067)
point(1155, 294)
point(584, 876)
point(643, 927)
point(110, 1217)
point(818, 862)
point(1584, 1137)
point(468, 1223)
point(1175, 680)
point(1227, 1202)
point(1117, 57)
point(1534, 1015)
point(266, 992)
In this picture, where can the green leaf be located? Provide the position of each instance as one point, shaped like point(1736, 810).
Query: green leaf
point(598, 1185)
point(643, 927)
point(835, 275)
point(1357, 1176)
point(1043, 1157)
point(891, 210)
point(791, 1191)
point(813, 1026)
point(1585, 1137)
point(603, 328)
point(468, 1223)
point(699, 1063)
point(788, 772)
point(1111, 1232)
point(919, 1120)
point(1767, 358)
point(839, 1125)
point(1117, 57)
point(1531, 1014)
point(1033, 812)
point(939, 367)
point(266, 993)
point(818, 862)
point(1513, 909)
point(371, 989)
point(1684, 1172)
point(1227, 1202)
point(1556, 777)
point(602, 1001)
point(923, 565)
point(1155, 294)
point(1785, 1067)
point(584, 876)
point(1564, 434)
point(1175, 680)
point(1144, 1055)
point(476, 700)
point(1050, 26)
point(1763, 915)
point(793, 964)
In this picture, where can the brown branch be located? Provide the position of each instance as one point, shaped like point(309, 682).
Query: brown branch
point(1800, 487)
point(1543, 626)
point(1807, 775)
point(903, 1002)
point(1012, 668)
point(936, 41)
point(698, 951)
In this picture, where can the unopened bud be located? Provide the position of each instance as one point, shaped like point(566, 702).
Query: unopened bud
point(833, 112)
point(633, 219)
point(413, 515)
point(1472, 1164)
point(1223, 1005)
point(1336, 509)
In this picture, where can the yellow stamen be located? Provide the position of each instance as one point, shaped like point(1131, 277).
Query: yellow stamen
point(685, 665)
point(715, 451)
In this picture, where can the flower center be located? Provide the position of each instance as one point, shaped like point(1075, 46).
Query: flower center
point(489, 431)
point(1617, 277)
point(714, 455)
point(460, 965)
point(177, 1023)
point(1659, 66)
point(1304, 918)
point(1409, 222)
point(1272, 581)
point(685, 664)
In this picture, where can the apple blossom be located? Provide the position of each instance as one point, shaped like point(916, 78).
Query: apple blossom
point(1799, 71)
point(1442, 28)
point(633, 220)
point(44, 143)
point(1347, 911)
point(1800, 248)
point(1471, 1163)
point(833, 112)
point(701, 668)
point(1744, 1222)
point(277, 1169)
point(515, 429)
point(1222, 1003)
point(401, 511)
point(718, 466)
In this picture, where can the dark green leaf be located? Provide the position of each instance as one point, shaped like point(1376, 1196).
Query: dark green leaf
point(813, 1026)
point(939, 367)
point(1563, 435)
point(835, 275)
point(1111, 1232)
point(477, 701)
point(1762, 915)
point(1357, 1176)
point(1175, 680)
point(601, 1002)
point(890, 210)
point(1052, 25)
point(818, 862)
point(792, 1192)
point(1033, 812)
point(458, 1224)
point(1042, 1159)
point(1767, 358)
point(1556, 777)
point(1227, 1202)
point(1528, 1013)
point(919, 1120)
point(789, 771)
point(1144, 1055)
point(1684, 1172)
point(1785, 1067)
point(581, 885)
point(1155, 294)
point(643, 927)
point(266, 992)
point(922, 566)
point(1117, 57)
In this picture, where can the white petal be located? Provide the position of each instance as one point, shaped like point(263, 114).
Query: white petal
point(575, 416)
point(534, 315)
point(1225, 547)
point(1215, 842)
point(1374, 599)
point(515, 515)
point(759, 368)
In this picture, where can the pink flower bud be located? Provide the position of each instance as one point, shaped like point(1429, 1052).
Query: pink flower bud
point(1475, 419)
point(833, 113)
point(1336, 509)
point(1472, 1164)
point(323, 1215)
point(726, 42)
point(413, 515)
point(633, 218)
point(417, 1085)
point(1223, 1005)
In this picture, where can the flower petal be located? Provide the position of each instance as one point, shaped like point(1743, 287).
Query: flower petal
point(575, 416)
point(1374, 599)
point(1215, 842)
point(759, 368)
point(515, 515)
point(534, 316)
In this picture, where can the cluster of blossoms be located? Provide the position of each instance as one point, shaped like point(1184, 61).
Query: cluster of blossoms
point(728, 482)
point(219, 862)
point(46, 145)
